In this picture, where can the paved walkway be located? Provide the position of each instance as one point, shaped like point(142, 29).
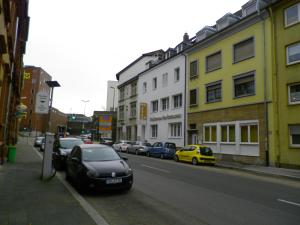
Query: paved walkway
point(271, 171)
point(26, 200)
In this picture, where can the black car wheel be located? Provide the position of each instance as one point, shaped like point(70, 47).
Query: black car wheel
point(176, 158)
point(195, 161)
point(120, 149)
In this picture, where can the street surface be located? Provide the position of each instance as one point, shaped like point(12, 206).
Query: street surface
point(170, 193)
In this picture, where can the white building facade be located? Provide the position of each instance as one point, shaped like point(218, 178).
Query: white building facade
point(128, 95)
point(161, 102)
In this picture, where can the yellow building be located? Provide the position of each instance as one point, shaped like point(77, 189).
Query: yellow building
point(285, 18)
point(229, 86)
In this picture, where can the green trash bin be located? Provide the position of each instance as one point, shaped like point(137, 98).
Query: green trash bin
point(12, 153)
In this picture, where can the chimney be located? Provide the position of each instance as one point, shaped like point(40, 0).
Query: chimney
point(186, 38)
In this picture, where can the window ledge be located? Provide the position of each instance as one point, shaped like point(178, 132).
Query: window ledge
point(210, 71)
point(294, 146)
point(250, 57)
point(209, 142)
point(245, 143)
point(213, 101)
point(194, 77)
point(228, 143)
point(242, 96)
point(293, 63)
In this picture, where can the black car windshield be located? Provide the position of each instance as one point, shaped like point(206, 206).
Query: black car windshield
point(99, 154)
point(69, 143)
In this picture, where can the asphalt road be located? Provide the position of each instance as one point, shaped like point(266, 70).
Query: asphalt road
point(170, 193)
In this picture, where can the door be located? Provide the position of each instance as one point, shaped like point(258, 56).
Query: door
point(183, 154)
point(74, 161)
point(190, 153)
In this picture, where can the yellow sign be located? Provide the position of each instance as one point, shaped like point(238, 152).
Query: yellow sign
point(143, 111)
point(26, 75)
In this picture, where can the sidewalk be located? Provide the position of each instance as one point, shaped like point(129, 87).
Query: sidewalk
point(25, 199)
point(264, 170)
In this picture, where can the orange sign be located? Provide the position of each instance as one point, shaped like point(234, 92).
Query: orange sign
point(143, 111)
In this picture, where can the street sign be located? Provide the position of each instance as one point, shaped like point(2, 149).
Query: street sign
point(42, 102)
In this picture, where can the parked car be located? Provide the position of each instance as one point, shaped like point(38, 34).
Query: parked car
point(87, 141)
point(195, 154)
point(43, 143)
point(38, 141)
point(99, 167)
point(106, 141)
point(121, 145)
point(62, 148)
point(139, 147)
point(162, 150)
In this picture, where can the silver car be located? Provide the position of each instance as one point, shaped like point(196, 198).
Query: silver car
point(139, 148)
point(38, 141)
point(121, 145)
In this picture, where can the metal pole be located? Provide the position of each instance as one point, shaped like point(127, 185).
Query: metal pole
point(50, 107)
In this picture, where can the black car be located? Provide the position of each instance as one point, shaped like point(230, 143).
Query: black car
point(62, 148)
point(98, 167)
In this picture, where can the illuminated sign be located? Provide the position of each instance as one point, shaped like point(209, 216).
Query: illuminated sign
point(27, 75)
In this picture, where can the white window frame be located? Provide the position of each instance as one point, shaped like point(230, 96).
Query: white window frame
point(287, 54)
point(165, 80)
point(145, 87)
point(167, 104)
point(152, 108)
point(228, 140)
point(290, 136)
point(155, 127)
point(175, 130)
point(154, 83)
point(285, 15)
point(289, 94)
point(210, 129)
point(179, 105)
point(177, 74)
point(249, 133)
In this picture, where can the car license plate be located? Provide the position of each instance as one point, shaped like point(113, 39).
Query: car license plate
point(114, 181)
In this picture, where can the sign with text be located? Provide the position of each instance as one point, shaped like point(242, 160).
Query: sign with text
point(42, 102)
point(105, 124)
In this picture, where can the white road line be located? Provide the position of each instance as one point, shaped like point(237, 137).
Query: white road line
point(162, 170)
point(288, 202)
point(98, 219)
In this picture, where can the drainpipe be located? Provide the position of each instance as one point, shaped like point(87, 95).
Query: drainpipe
point(184, 97)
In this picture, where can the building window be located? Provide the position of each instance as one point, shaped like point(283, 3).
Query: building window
point(210, 134)
point(213, 62)
point(128, 133)
point(165, 104)
point(293, 53)
point(294, 133)
point(165, 80)
point(194, 69)
point(177, 74)
point(122, 93)
point(292, 15)
point(154, 131)
point(154, 83)
point(177, 101)
point(134, 89)
point(294, 94)
point(244, 85)
point(243, 50)
point(193, 97)
point(214, 92)
point(228, 133)
point(175, 129)
point(121, 112)
point(249, 133)
point(144, 87)
point(133, 110)
point(154, 106)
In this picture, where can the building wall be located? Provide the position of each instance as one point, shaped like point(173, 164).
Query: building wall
point(58, 118)
point(34, 82)
point(112, 96)
point(251, 109)
point(162, 118)
point(288, 114)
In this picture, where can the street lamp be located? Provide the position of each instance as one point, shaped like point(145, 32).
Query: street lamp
point(114, 98)
point(84, 101)
point(52, 84)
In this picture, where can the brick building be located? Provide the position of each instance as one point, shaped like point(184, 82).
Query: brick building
point(34, 82)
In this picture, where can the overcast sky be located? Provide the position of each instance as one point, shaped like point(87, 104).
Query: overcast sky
point(82, 44)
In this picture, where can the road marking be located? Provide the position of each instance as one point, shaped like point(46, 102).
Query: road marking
point(98, 219)
point(154, 168)
point(288, 202)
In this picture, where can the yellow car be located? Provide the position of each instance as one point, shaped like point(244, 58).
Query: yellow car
point(195, 154)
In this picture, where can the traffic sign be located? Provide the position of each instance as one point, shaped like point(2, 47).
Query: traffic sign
point(42, 102)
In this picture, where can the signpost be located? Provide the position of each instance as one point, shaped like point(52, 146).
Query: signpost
point(42, 103)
